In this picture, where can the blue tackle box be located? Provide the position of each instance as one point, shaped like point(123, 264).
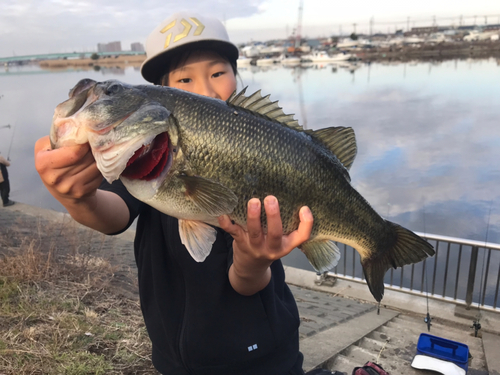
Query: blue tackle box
point(444, 349)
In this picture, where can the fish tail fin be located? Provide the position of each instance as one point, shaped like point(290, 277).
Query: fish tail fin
point(322, 254)
point(407, 248)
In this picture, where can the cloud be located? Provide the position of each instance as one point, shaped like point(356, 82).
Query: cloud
point(46, 26)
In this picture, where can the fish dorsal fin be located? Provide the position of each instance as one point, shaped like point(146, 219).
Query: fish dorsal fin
point(263, 106)
point(341, 141)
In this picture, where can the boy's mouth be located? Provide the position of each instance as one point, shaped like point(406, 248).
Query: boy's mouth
point(148, 162)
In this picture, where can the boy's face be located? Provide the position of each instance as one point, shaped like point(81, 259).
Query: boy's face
point(205, 73)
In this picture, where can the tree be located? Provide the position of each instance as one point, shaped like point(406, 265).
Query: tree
point(354, 36)
point(94, 56)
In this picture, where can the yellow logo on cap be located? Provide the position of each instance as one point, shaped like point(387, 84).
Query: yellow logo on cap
point(185, 32)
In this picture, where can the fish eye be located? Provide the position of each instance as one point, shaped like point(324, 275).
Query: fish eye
point(114, 88)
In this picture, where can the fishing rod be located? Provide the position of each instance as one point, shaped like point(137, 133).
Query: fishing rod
point(427, 319)
point(476, 323)
point(11, 139)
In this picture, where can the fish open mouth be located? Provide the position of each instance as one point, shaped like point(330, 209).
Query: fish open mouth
point(148, 162)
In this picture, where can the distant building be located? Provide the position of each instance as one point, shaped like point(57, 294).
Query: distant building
point(424, 30)
point(137, 47)
point(109, 47)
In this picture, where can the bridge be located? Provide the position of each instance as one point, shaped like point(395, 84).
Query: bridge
point(70, 55)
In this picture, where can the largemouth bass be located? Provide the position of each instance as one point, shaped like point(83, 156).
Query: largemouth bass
point(197, 158)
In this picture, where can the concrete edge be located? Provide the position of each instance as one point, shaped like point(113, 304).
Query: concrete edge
point(393, 299)
point(324, 346)
point(48, 214)
point(491, 347)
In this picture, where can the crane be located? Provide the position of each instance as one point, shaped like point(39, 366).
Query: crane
point(299, 26)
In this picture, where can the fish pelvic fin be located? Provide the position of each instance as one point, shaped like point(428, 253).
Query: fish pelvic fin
point(407, 248)
point(209, 196)
point(322, 254)
point(198, 238)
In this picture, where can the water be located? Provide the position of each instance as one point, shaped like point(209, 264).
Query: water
point(428, 135)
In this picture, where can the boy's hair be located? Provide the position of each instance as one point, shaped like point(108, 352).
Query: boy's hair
point(180, 59)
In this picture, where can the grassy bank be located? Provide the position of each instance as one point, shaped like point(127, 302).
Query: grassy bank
point(60, 315)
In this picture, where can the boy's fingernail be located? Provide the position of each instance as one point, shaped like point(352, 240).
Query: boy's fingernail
point(271, 201)
point(306, 212)
point(253, 204)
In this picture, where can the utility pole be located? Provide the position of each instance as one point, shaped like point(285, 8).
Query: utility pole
point(475, 20)
point(354, 26)
point(408, 24)
point(485, 20)
point(434, 23)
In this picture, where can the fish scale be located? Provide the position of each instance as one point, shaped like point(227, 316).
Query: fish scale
point(221, 154)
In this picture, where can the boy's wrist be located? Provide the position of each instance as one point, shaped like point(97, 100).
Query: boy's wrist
point(249, 281)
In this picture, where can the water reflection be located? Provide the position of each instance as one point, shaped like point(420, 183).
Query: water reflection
point(427, 133)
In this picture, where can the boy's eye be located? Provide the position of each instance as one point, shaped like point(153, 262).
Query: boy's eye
point(218, 74)
point(184, 80)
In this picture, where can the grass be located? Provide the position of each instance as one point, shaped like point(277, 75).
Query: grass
point(59, 313)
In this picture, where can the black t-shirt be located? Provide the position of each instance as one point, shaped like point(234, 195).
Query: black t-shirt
point(196, 321)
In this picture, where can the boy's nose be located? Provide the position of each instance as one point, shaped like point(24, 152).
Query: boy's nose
point(207, 89)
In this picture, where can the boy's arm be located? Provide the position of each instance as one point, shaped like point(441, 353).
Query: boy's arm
point(254, 252)
point(71, 176)
point(4, 161)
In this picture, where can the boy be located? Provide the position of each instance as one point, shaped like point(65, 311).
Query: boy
point(232, 313)
point(4, 182)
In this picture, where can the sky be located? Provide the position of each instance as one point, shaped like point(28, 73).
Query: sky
point(55, 26)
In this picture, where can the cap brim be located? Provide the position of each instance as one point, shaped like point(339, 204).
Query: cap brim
point(152, 69)
point(424, 362)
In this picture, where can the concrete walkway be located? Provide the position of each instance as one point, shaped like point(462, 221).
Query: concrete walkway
point(334, 319)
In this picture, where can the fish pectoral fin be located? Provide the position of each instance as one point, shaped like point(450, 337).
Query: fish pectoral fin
point(322, 254)
point(198, 238)
point(209, 196)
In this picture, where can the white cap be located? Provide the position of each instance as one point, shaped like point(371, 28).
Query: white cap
point(424, 362)
point(180, 32)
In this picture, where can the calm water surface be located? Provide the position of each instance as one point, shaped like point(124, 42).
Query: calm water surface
point(428, 133)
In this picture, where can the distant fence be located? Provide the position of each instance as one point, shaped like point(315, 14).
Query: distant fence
point(462, 271)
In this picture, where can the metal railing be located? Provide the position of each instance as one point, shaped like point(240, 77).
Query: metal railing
point(462, 271)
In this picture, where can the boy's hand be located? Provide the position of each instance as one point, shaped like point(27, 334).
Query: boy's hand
point(254, 252)
point(69, 173)
point(71, 176)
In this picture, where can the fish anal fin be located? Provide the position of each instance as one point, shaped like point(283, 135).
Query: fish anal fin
point(198, 238)
point(209, 196)
point(322, 254)
point(401, 247)
point(341, 141)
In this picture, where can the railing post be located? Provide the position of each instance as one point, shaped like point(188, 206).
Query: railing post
point(472, 276)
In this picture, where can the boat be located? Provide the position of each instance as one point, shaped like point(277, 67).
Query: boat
point(322, 56)
point(290, 60)
point(243, 61)
point(267, 61)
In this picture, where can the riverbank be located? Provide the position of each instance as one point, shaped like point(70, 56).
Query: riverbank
point(424, 52)
point(119, 60)
point(95, 306)
point(439, 51)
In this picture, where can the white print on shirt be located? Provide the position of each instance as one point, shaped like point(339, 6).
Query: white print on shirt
point(252, 347)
